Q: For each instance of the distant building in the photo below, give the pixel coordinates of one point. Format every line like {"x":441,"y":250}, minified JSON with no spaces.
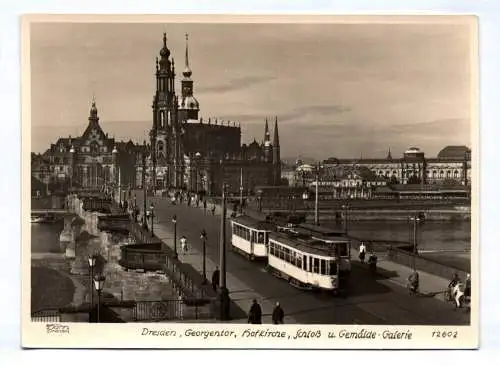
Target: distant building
{"x":187,"y":152}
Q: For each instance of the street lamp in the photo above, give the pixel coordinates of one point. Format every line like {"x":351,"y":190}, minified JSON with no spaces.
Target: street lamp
{"x":223,"y":291}
{"x":414,"y":220}
{"x":197,"y":156}
{"x":259,"y":200}
{"x":203,"y":237}
{"x":99,"y":285}
{"x":151,"y":208}
{"x":92,"y":260}
{"x":174,"y":221}
{"x":346,"y":208}
{"x":316,"y":198}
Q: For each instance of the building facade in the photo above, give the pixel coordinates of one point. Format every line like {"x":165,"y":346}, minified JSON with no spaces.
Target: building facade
{"x":92,"y":161}
{"x":186,"y":152}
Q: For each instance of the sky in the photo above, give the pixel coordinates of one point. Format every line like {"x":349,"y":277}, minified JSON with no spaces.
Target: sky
{"x":338,"y":90}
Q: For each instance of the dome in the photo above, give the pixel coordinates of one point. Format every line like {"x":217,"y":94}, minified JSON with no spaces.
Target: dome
{"x":454,"y":152}
{"x":189,"y":102}
{"x":187,"y":72}
{"x":412,"y":150}
{"x":164,"y":52}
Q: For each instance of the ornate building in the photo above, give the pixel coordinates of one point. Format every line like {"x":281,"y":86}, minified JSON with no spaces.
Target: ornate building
{"x":187,"y":152}
{"x":413,"y":172}
{"x":92,"y":161}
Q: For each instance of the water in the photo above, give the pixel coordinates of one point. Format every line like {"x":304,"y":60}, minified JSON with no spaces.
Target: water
{"x":45,"y":237}
{"x":431,"y":235}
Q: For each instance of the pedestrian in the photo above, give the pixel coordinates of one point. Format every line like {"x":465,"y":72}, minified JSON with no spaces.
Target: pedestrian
{"x":467,"y":285}
{"x":215,"y":278}
{"x":278,"y":314}
{"x":184,"y":246}
{"x":213,"y":210}
{"x":205,"y":206}
{"x":255,"y":313}
{"x":362,"y":252}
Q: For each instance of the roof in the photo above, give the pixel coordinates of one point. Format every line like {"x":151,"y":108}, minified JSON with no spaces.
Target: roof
{"x":304,"y":244}
{"x":454,"y":152}
{"x":250,"y":222}
{"x":320,"y":230}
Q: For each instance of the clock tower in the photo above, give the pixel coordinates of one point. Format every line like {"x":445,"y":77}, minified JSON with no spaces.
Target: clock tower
{"x":188,"y":105}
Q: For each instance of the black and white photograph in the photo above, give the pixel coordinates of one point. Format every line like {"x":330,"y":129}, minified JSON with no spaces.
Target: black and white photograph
{"x":287,"y":182}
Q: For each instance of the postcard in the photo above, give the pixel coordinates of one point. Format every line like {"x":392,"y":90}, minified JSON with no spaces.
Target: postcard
{"x":292,"y":182}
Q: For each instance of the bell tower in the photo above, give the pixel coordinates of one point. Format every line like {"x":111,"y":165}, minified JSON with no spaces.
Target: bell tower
{"x":163,"y":115}
{"x":188,"y":105}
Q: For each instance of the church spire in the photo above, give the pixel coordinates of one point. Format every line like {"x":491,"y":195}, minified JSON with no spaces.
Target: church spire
{"x":267,"y":135}
{"x":276,"y":141}
{"x":93,"y":111}
{"x":389,"y":155}
{"x":187,"y":70}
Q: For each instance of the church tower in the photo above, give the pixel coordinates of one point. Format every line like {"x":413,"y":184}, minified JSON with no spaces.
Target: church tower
{"x":268,"y":154}
{"x":276,"y":155}
{"x":188,"y":105}
{"x":164,"y":121}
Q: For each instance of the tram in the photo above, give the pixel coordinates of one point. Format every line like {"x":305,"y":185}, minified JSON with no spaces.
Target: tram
{"x":250,"y":236}
{"x":308,"y":260}
{"x":305,"y":262}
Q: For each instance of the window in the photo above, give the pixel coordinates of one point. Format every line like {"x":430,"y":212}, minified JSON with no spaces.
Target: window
{"x":298,"y":261}
{"x":323,"y":269}
{"x":253,"y":236}
{"x":261,"y":238}
{"x":310,"y":264}
{"x":304,"y":262}
{"x":333,"y":268}
{"x":315,"y":265}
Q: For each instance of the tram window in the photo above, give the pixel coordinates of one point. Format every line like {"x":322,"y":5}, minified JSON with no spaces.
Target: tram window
{"x":261,"y":238}
{"x":304,"y":262}
{"x":310,"y":265}
{"x":253,"y":236}
{"x":333,"y":268}
{"x":266,"y":237}
{"x":287,"y":255}
{"x":316,"y":265}
{"x":322,"y":267}
{"x":292,"y":258}
{"x":298,"y":261}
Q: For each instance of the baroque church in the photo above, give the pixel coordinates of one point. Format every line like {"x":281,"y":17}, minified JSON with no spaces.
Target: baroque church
{"x":187,"y":152}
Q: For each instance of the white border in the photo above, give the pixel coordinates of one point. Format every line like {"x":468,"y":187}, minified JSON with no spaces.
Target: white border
{"x":9,"y":67}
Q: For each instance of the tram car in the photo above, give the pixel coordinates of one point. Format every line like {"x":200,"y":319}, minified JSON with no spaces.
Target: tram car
{"x":305,"y":262}
{"x":250,"y":236}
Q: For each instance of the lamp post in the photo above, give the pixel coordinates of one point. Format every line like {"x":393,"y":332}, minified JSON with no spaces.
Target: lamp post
{"x":346,"y":208}
{"x":99,"y":285}
{"x":152,"y":207}
{"x":92,"y":260}
{"x":203,"y":237}
{"x":223,"y":291}
{"x":414,"y":220}
{"x":174,"y":221}
{"x":316,"y":197}
{"x":259,"y":200}
{"x":197,"y":156}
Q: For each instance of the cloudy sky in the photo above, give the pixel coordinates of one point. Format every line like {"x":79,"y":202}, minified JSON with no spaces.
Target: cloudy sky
{"x":342,"y":90}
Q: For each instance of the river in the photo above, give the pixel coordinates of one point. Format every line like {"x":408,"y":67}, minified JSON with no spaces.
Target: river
{"x":432,"y":235}
{"x":45,"y":237}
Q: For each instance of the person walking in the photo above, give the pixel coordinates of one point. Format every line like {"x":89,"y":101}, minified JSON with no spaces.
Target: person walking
{"x":278,"y":314}
{"x":255,"y":313}
{"x":184,"y":246}
{"x":213,"y":210}
{"x":205,"y":206}
{"x":362,"y":252}
{"x":215,"y":278}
